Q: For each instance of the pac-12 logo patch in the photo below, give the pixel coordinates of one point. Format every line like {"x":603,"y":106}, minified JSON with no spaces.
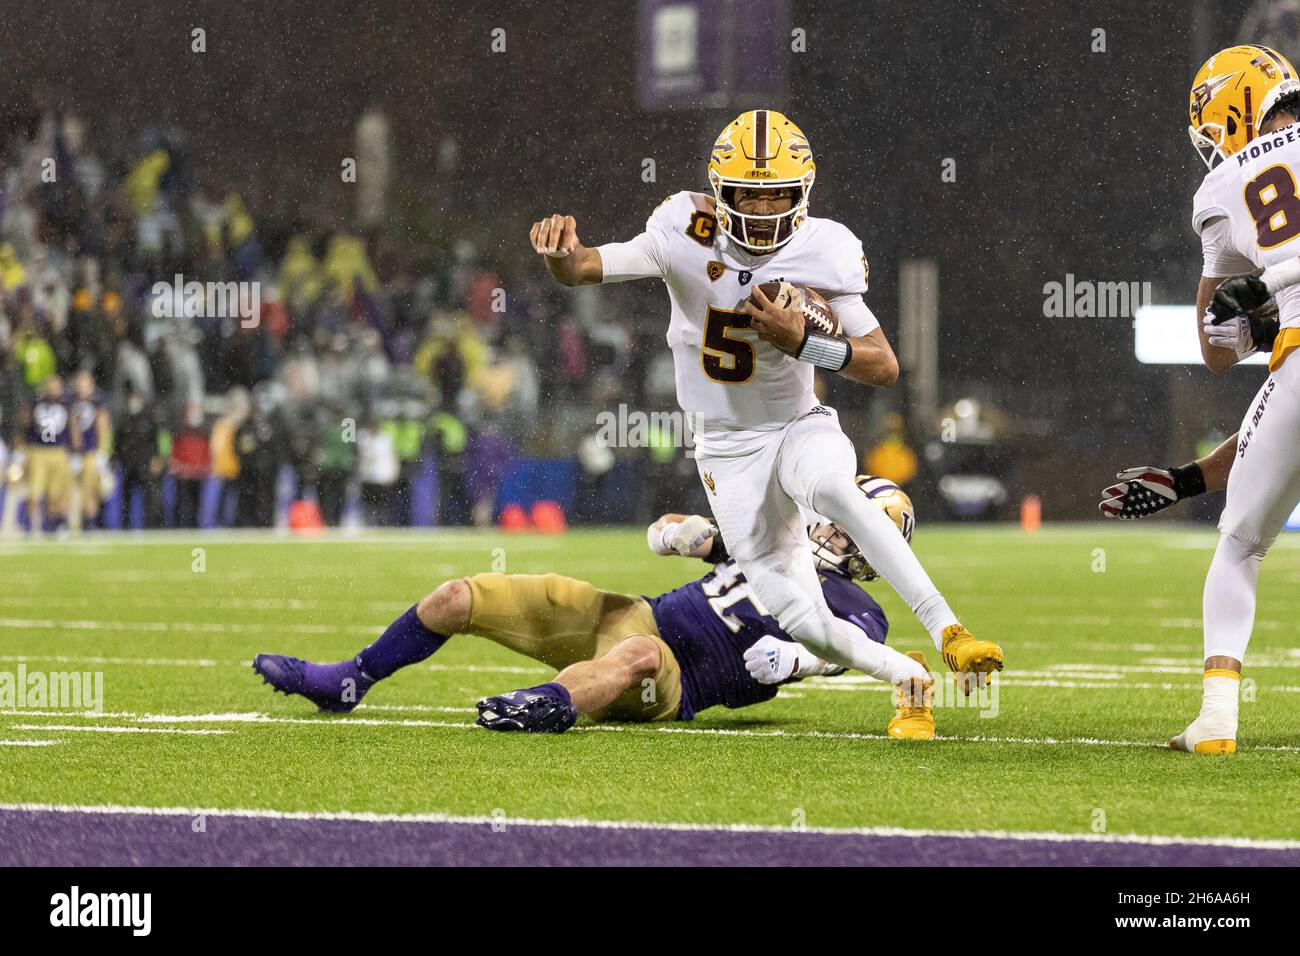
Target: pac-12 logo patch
{"x":745,"y":276}
{"x":715,"y":270}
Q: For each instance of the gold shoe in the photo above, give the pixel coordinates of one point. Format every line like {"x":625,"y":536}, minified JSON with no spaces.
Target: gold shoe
{"x":971,"y":659}
{"x":914,"y":702}
{"x":1200,"y":739}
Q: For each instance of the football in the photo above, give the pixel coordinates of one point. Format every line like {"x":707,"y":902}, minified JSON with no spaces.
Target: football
{"x":817,"y":312}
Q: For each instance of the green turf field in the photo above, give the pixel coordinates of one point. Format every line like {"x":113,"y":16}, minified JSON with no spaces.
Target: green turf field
{"x":1101,"y":626}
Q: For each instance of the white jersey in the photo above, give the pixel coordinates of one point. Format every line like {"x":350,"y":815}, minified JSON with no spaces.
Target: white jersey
{"x":727,"y":380}
{"x":1247,"y":213}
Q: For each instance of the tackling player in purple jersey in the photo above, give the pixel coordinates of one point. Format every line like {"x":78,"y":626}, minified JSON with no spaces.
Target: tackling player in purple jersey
{"x":622,"y":657}
{"x":726,"y":642}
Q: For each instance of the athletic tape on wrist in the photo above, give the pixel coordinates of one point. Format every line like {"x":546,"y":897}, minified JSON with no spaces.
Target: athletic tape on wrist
{"x":825,"y":351}
{"x":660,"y":539}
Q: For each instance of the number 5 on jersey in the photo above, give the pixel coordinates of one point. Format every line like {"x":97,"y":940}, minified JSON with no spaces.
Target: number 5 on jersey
{"x":725,"y":358}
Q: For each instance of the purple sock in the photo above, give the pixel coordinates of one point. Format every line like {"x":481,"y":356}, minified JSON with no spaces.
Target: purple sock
{"x":407,"y":641}
{"x":552,"y":689}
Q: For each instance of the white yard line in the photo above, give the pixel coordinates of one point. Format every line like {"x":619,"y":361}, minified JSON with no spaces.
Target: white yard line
{"x":1052,"y":683}
{"x":430,"y":539}
{"x":1057,"y":676}
{"x":29,"y":743}
{"x":584,"y":823}
{"x":1144,"y":647}
{"x":482,"y":669}
{"x":211,"y":662}
{"x":1165,"y":665}
{"x":132,"y":661}
{"x":114,"y":730}
{"x":1066,"y":671}
{"x":1165,"y":623}
{"x":183,"y":627}
{"x":253,"y":717}
{"x":424,"y":708}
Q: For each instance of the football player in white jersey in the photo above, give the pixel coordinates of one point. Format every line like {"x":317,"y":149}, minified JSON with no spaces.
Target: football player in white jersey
{"x":764,"y":447}
{"x":1245,"y":103}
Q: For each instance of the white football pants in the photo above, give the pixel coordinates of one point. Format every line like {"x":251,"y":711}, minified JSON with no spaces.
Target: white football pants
{"x":1263,"y":488}
{"x":756,"y":490}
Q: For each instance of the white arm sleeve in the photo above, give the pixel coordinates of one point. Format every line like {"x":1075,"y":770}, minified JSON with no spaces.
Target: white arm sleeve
{"x":640,"y":258}
{"x":1221,"y":259}
{"x":854,"y":315}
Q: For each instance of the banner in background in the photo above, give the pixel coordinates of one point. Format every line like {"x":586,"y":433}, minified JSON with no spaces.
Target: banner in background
{"x":712,"y":53}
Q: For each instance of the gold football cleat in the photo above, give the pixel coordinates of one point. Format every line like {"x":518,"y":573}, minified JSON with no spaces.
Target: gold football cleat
{"x":914,"y":702}
{"x":1199,"y":738}
{"x":972,"y":660}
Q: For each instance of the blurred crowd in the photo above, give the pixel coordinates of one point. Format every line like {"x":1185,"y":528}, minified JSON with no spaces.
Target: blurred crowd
{"x":345,"y":365}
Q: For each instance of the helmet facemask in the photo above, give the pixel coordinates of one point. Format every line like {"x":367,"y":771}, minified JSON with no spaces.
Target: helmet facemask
{"x":834,"y":551}
{"x":1207,"y":140}
{"x":740,"y":226}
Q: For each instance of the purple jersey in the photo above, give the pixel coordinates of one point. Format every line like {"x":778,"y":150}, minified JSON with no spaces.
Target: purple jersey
{"x":49,"y":427}
{"x":710,"y":623}
{"x":85,"y":413}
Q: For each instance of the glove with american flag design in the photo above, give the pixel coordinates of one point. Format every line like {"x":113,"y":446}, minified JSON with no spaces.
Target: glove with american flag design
{"x":1143,"y":491}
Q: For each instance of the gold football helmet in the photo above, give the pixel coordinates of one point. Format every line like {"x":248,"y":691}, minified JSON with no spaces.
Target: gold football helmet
{"x":761,"y":149}
{"x":1231,"y":96}
{"x":833,"y":550}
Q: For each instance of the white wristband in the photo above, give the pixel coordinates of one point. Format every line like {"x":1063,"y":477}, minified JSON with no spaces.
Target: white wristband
{"x":826,"y":351}
{"x":1278,"y":277}
{"x":658,"y":538}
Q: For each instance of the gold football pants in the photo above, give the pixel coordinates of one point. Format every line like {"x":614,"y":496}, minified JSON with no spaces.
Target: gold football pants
{"x":561,"y":621}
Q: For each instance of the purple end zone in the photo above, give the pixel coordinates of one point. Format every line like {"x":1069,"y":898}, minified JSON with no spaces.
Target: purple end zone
{"x":38,"y":838}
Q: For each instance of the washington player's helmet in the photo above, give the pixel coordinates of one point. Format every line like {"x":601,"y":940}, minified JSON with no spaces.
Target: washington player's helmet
{"x":833,"y":550}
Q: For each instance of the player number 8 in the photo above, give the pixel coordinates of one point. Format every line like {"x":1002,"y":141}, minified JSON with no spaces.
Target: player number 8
{"x":1273,"y":203}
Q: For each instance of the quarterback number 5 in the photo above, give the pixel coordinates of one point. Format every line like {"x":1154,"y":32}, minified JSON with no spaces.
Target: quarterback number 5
{"x":724,"y":358}
{"x":1273,"y":203}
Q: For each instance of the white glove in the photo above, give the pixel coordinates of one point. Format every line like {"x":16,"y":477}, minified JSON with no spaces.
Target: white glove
{"x":1233,"y":334}
{"x":771,"y":661}
{"x":680,"y":537}
{"x":74,"y":465}
{"x":689,"y":534}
